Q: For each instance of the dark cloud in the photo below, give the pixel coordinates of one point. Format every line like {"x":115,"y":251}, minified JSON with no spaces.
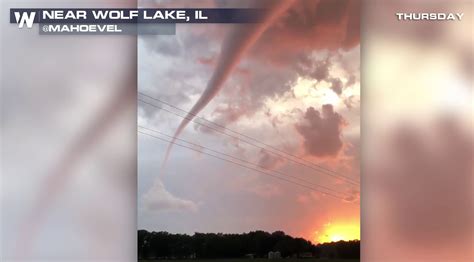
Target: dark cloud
{"x":312,"y":25}
{"x":320,"y":70}
{"x":336,"y":85}
{"x":316,"y":69}
{"x":321,"y":131}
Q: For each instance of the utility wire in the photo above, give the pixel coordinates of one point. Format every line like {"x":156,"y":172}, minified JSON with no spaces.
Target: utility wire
{"x":322,"y":170}
{"x":244,"y":166}
{"x":244,"y":135}
{"x":243,"y":160}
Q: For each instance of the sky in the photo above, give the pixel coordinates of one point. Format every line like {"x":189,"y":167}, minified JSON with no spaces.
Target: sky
{"x":294,"y":87}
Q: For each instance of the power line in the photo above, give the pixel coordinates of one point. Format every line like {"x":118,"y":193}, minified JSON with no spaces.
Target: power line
{"x":244,"y":166}
{"x":323,"y":170}
{"x":332,"y":174}
{"x":244,"y":135}
{"x":242,"y":160}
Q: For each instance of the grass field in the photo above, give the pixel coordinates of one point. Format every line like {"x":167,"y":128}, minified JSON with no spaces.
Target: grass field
{"x":256,"y":260}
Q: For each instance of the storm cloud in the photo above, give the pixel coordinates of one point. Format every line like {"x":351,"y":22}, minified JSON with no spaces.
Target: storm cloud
{"x":321,"y":131}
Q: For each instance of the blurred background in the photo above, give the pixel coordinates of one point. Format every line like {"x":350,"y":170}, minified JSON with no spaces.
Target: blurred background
{"x":417,"y":197}
{"x":68,"y":142}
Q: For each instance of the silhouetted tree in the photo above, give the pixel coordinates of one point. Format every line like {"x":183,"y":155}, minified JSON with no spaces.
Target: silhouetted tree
{"x":156,"y":245}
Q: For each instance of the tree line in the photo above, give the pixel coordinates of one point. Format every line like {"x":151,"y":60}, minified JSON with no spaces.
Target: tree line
{"x":164,"y":245}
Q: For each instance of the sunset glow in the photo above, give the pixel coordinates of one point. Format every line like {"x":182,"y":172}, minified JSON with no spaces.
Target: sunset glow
{"x":337,"y":232}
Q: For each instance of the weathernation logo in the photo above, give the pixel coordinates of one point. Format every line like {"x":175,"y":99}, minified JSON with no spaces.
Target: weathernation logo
{"x":25,"y":17}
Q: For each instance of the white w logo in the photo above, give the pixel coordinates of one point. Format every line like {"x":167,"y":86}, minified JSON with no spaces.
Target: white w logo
{"x":25,"y":17}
